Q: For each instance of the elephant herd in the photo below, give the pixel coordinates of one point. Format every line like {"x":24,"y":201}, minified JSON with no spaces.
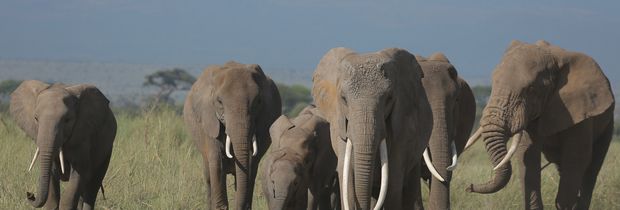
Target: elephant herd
{"x":380,"y":122}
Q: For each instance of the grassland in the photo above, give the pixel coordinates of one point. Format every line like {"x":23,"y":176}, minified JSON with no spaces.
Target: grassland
{"x":155,"y":166}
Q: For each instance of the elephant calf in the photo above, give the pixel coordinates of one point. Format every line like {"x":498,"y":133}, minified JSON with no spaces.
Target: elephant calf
{"x":300,"y":170}
{"x":74,"y":130}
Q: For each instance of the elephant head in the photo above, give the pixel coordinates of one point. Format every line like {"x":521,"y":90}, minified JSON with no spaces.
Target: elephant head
{"x":288,"y":166}
{"x":368,"y":98}
{"x":542,"y":88}
{"x":237,"y":102}
{"x":453,"y":106}
{"x":56,"y":117}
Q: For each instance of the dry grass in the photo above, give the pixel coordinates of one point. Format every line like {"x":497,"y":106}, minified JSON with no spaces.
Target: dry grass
{"x":155,"y":166}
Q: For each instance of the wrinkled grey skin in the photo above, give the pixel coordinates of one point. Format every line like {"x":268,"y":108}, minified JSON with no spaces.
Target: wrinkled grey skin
{"x":240,"y":101}
{"x":368,"y":98}
{"x":564,"y":102}
{"x":77,"y":120}
{"x":454,"y":112}
{"x":300,"y":169}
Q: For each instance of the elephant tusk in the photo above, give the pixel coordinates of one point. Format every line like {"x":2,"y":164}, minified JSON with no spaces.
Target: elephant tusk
{"x":384,"y":175}
{"x":345,"y":174}
{"x":511,"y":151}
{"x":254,"y":147}
{"x":430,"y":166}
{"x":473,"y":138}
{"x":454,"y":158}
{"x":62,"y":162}
{"x":34,"y":159}
{"x":227,"y":147}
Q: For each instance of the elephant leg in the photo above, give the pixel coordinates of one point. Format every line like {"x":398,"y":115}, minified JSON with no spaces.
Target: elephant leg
{"x":529,"y":173}
{"x":207,"y":181}
{"x":599,"y":151}
{"x":576,"y":150}
{"x":217,"y":178}
{"x":93,"y":184}
{"x":71,"y":195}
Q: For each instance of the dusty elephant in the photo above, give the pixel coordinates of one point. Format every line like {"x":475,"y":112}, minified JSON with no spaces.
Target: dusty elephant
{"x":300,"y":169}
{"x":564,"y":102}
{"x":231,"y":106}
{"x":377,"y":109}
{"x":454,"y":112}
{"x":74,"y":129}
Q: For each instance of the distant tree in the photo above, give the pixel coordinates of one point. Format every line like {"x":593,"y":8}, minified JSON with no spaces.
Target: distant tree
{"x":294,"y":98}
{"x":169,"y":81}
{"x":481,"y":93}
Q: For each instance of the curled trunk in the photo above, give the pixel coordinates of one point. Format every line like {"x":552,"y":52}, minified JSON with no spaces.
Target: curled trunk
{"x":495,"y":141}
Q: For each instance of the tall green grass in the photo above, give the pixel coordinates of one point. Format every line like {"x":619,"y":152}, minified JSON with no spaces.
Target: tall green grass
{"x":155,"y":166}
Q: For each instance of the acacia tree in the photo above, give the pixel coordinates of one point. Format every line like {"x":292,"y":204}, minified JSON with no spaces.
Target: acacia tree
{"x":168,"y":81}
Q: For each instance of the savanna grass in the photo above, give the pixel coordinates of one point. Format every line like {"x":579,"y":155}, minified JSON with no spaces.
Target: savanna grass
{"x":155,"y":166}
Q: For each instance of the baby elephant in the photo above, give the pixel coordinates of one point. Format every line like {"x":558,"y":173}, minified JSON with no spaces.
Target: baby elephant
{"x":300,"y":169}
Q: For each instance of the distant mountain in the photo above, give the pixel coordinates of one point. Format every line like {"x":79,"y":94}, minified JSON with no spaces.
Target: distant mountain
{"x":116,"y":80}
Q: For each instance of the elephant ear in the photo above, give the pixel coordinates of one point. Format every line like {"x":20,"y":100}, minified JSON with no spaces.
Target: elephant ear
{"x":22,"y":107}
{"x":465,"y":114}
{"x":325,"y":87}
{"x":92,"y":110}
{"x":202,"y":101}
{"x":411,"y":111}
{"x":583,"y":91}
{"x":278,"y":127}
{"x":271,"y":106}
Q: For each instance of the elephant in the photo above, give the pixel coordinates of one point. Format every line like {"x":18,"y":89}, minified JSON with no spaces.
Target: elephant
{"x":454,"y":111}
{"x":300,"y":168}
{"x":231,"y":105}
{"x":74,"y":130}
{"x":377,"y":109}
{"x":553,"y":101}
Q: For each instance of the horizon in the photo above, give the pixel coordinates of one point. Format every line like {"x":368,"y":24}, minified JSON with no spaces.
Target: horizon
{"x":291,"y":37}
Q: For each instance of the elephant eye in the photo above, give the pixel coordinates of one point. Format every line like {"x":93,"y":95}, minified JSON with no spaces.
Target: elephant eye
{"x":344,"y":100}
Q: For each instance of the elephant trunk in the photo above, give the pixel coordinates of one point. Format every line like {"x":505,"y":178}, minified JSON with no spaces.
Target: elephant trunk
{"x":241,"y":147}
{"x":365,"y":143}
{"x":495,"y":141}
{"x":440,"y":146}
{"x":46,"y":146}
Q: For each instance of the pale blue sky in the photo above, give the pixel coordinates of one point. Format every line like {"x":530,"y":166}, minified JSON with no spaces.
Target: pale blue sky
{"x":283,"y":34}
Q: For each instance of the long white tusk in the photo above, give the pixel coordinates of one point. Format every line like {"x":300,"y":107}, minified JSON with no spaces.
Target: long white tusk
{"x":345,"y":174}
{"x":384,"y":175}
{"x":34,"y":159}
{"x":454,"y":158}
{"x":254,"y":147}
{"x":430,"y":166}
{"x":62,"y":162}
{"x":511,"y":151}
{"x":227,"y":147}
{"x":473,"y":138}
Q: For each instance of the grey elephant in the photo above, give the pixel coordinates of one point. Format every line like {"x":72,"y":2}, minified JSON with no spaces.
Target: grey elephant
{"x":454,"y":111}
{"x":74,"y":130}
{"x":380,"y":123}
{"x":564,"y":102}
{"x":228,"y":112}
{"x":300,"y":169}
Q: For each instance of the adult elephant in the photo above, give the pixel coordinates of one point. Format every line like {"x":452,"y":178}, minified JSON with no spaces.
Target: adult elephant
{"x":564,"y":102}
{"x":454,"y":112}
{"x":300,"y":168}
{"x":231,"y":105}
{"x":74,"y":130}
{"x":376,"y":107}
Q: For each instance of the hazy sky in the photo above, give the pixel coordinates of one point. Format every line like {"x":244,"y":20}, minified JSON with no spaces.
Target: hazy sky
{"x":295,"y":34}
